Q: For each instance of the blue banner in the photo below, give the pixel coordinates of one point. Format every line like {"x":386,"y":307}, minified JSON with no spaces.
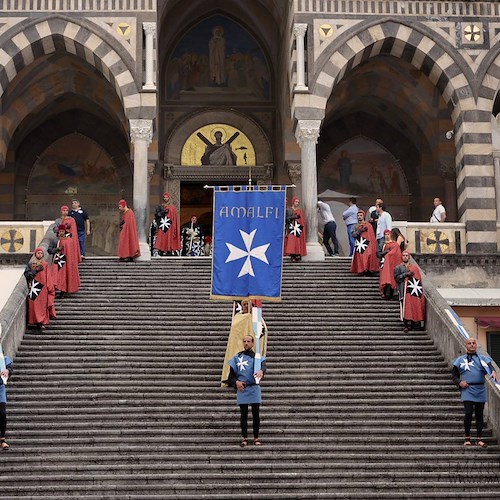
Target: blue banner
{"x":249,"y":222}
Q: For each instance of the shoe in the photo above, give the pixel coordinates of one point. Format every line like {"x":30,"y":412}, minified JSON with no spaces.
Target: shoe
{"x":3,"y":444}
{"x":336,"y":254}
{"x":244,"y":443}
{"x":257,"y":442}
{"x":480,"y":443}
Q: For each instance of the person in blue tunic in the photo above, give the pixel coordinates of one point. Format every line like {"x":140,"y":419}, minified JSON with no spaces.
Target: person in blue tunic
{"x":4,"y":375}
{"x":468,"y":374}
{"x":248,"y":391}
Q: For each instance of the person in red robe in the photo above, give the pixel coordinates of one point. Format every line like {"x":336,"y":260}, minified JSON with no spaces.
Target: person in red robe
{"x":364,"y":258}
{"x":65,"y":264}
{"x":71,"y":230}
{"x":390,"y":257}
{"x":128,"y":245}
{"x":41,"y":291}
{"x":295,"y":234}
{"x":168,"y":236}
{"x":411,"y":293}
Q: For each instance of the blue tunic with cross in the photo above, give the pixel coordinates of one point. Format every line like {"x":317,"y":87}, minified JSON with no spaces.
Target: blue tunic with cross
{"x":473,"y":372}
{"x":242,"y":365}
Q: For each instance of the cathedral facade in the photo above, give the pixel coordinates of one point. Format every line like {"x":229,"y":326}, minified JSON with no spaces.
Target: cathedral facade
{"x":108,"y":99}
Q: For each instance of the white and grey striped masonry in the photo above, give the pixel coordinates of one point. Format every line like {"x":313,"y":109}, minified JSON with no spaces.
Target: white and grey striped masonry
{"x":471,"y":114}
{"x":35,"y":38}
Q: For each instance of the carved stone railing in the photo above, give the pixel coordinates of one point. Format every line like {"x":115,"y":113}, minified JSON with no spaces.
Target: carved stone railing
{"x":426,"y":238}
{"x":21,"y":237}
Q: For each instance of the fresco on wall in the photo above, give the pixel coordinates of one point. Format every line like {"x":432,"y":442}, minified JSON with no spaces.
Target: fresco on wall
{"x":362,"y":167}
{"x":217,"y":57}
{"x":77,"y":167}
{"x":74,"y":164}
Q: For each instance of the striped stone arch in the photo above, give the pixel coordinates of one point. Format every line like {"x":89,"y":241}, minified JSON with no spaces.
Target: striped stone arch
{"x":473,"y":163}
{"x":46,"y":36}
{"x":41,"y":93}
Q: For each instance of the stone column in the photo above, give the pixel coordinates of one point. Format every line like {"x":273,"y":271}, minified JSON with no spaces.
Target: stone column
{"x":496,"y":164}
{"x":141,"y":135}
{"x":299,"y":31}
{"x":150,"y":31}
{"x":307,"y":133}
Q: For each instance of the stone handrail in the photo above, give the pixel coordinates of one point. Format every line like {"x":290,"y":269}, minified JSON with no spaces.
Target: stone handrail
{"x":451,"y":343}
{"x":13,"y":314}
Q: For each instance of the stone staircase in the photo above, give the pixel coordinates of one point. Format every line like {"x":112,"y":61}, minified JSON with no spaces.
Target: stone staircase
{"x":120,"y":397}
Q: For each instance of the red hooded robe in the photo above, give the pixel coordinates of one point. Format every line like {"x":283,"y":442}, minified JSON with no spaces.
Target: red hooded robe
{"x":414,"y":299}
{"x":168,"y":239}
{"x":65,"y":266}
{"x":70,"y":223}
{"x":364,"y":258}
{"x":295,"y":238}
{"x":391,"y":259}
{"x":41,"y":294}
{"x":128,"y":245}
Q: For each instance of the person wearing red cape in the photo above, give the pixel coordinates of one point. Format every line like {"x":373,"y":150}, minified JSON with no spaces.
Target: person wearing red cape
{"x":390,"y":257}
{"x":411,"y":293}
{"x":71,"y":230}
{"x":295,"y":234}
{"x":168,"y":236}
{"x":364,"y":258}
{"x":65,"y":264}
{"x":128,"y":244}
{"x":41,"y":291}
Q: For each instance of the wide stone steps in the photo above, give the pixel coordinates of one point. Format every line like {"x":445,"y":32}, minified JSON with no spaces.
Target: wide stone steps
{"x":120,"y":396}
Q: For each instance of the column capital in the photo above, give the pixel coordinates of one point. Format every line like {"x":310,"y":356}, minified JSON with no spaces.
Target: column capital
{"x":307,"y":130}
{"x":141,"y":130}
{"x":149,"y":28}
{"x":299,"y":29}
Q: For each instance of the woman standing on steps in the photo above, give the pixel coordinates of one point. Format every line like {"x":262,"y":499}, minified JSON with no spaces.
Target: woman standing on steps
{"x":41,"y":291}
{"x":295,"y":232}
{"x":5,"y":373}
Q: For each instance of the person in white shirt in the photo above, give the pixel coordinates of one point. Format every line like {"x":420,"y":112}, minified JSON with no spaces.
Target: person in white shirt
{"x":330,"y":229}
{"x":384,"y":221}
{"x":439,"y":214}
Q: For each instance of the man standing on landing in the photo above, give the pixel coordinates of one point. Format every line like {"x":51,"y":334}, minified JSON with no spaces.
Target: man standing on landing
{"x":468,"y":374}
{"x":439,"y":213}
{"x":82,"y":223}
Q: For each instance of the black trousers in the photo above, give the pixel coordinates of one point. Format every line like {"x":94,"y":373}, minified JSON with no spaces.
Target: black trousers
{"x":469,"y":407}
{"x":330,"y":232}
{"x":3,"y":419}
{"x":255,"y":420}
